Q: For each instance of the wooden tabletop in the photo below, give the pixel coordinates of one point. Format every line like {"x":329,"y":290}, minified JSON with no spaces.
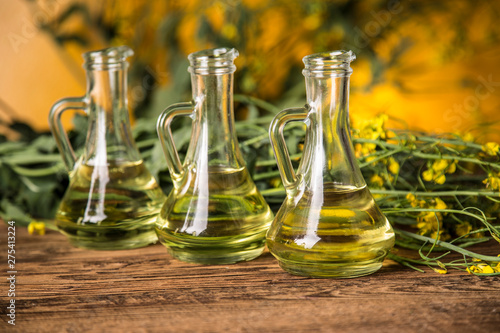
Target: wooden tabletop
{"x":60,"y":288}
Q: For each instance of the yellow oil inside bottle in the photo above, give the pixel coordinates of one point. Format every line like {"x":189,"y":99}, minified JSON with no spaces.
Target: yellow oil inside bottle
{"x":110,"y":207}
{"x":335,"y":232}
{"x":215,"y":218}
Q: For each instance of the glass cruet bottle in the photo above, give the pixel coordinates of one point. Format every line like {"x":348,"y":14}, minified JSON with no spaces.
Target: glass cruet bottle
{"x":112,"y":200}
{"x":214,"y":213}
{"x":329,"y":224}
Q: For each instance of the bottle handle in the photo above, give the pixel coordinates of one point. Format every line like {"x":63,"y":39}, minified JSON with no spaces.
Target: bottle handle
{"x":166,"y":139}
{"x":278,"y":143}
{"x":58,"y":131}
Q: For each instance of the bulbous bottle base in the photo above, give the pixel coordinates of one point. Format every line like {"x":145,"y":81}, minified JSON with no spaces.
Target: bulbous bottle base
{"x":213,"y":250}
{"x":226,"y":226}
{"x":331,"y":270}
{"x":120,"y":217}
{"x":99,"y":238}
{"x":346,"y":236}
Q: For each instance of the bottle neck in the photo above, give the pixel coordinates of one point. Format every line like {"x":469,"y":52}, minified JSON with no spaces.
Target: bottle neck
{"x":328,"y":153}
{"x":214,"y":142}
{"x":109,"y":137}
{"x":329,"y":96}
{"x":108,"y":89}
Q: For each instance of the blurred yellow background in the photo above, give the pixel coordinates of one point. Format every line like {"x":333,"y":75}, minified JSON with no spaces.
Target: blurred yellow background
{"x":431,"y":65}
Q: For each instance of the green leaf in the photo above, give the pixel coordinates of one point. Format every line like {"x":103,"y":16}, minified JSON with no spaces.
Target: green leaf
{"x":11,"y":212}
{"x":44,"y":143}
{"x":156,"y":162}
{"x":10,"y":146}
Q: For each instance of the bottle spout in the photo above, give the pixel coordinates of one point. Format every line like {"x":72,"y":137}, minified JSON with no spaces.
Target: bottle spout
{"x":213,"y":61}
{"x":108,"y":56}
{"x":334,"y":63}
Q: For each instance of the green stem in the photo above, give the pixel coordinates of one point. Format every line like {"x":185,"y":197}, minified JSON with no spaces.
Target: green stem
{"x":38,"y":172}
{"x":273,"y":162}
{"x":257,"y":102}
{"x":449,"y":141}
{"x":265,"y":175}
{"x":254,"y":140}
{"x":438,"y":193}
{"x":28,"y":159}
{"x":449,"y":246}
{"x":273,"y":192}
{"x":458,"y":158}
{"x":146,"y":143}
{"x":415,"y":153}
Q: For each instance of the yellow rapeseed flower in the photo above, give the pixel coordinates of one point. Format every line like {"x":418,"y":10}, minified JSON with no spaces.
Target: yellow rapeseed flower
{"x":487,"y":270}
{"x":452,"y":167}
{"x":493,"y":181}
{"x":428,"y":175}
{"x":483,"y":268}
{"x":430,"y":223}
{"x":370,"y":158}
{"x":275,"y":182}
{"x":370,"y":147}
{"x":254,"y":4}
{"x":373,"y":129}
{"x":414,"y":202}
{"x":439,"y":165}
{"x":468,"y":137}
{"x":380,"y":121}
{"x":312,"y":22}
{"x":36,"y":228}
{"x":471,"y":269}
{"x":364,"y":74}
{"x":440,"y":179}
{"x":436,"y":171}
{"x":393,"y":166}
{"x":440,"y":204}
{"x":377,"y":180}
{"x":358,"y":150}
{"x":411,"y":197}
{"x":440,"y":271}
{"x":463,"y":228}
{"x":229,"y":31}
{"x":491,"y":148}
{"x":388,"y":177}
{"x":215,"y":16}
{"x":449,"y":168}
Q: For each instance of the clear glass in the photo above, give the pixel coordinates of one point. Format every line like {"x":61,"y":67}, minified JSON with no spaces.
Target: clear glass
{"x":214,"y":214}
{"x":329,"y":224}
{"x":112,"y":200}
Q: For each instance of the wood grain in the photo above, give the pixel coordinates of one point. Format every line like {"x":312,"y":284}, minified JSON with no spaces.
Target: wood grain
{"x":65,"y":289}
